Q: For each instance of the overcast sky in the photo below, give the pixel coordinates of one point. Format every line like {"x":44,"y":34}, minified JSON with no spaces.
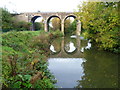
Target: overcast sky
{"x":40,"y":5}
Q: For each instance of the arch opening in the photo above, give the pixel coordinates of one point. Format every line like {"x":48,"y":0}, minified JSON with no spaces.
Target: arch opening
{"x":37,"y":23}
{"x":53,"y":23}
{"x":70,"y":23}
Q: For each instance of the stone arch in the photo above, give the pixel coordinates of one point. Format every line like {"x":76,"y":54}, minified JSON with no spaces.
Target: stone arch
{"x":48,"y":19}
{"x":34,"y":18}
{"x":71,"y":15}
{"x":33,"y":21}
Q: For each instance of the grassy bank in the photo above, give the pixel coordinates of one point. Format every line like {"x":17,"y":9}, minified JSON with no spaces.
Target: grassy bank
{"x":24,"y":56}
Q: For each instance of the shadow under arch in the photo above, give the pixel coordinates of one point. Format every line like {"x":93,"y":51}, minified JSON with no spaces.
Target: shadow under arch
{"x":33,"y":21}
{"x":48,"y":20}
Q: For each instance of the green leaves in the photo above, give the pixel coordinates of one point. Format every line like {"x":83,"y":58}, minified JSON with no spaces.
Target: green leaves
{"x":22,"y":80}
{"x":17,"y":84}
{"x":6,"y":20}
{"x":100,"y":23}
{"x":27,"y":77}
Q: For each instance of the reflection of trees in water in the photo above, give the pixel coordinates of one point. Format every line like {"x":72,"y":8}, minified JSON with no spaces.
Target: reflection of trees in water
{"x":69,"y":44}
{"x":68,"y":40}
{"x":84,"y":43}
{"x":67,"y":47}
{"x":57,"y":44}
{"x":100,"y":69}
{"x":70,"y":47}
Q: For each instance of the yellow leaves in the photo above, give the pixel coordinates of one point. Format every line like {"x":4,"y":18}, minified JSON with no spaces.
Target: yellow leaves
{"x":97,"y":40}
{"x":32,"y":63}
{"x":89,"y":80}
{"x":56,"y":23}
{"x":30,"y":51}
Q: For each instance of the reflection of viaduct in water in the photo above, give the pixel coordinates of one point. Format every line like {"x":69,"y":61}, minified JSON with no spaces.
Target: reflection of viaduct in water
{"x":32,"y":16}
{"x":64,"y":54}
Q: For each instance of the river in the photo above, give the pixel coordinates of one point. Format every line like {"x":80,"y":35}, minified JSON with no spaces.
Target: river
{"x":75,"y":63}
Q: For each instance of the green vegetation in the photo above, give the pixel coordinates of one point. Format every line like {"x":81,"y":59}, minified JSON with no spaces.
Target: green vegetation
{"x":24,"y":56}
{"x":10,"y":23}
{"x":20,"y":25}
{"x":6,"y":20}
{"x":24,"y":53}
{"x":100,"y":23}
{"x":56,"y":24}
{"x":70,"y":28}
{"x":38,"y":26}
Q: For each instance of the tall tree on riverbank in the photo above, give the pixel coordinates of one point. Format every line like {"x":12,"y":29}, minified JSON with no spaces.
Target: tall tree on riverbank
{"x":6,"y":20}
{"x":100,"y":22}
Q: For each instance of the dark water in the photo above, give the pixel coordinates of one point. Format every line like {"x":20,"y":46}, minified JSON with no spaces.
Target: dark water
{"x":76,"y":63}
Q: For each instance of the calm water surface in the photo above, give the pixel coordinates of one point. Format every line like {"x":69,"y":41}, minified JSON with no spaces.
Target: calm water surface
{"x":76,"y":63}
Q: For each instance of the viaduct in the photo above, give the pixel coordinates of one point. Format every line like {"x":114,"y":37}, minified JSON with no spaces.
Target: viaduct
{"x":32,"y":16}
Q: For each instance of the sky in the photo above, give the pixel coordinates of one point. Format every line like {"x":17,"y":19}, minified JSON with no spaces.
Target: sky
{"x":40,"y":5}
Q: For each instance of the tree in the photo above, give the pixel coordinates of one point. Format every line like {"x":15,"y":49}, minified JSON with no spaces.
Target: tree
{"x":38,"y":26}
{"x":67,"y":23}
{"x":70,"y":27}
{"x":56,"y":23}
{"x":6,"y":20}
{"x":9,"y":22}
{"x":100,"y":22}
{"x":21,"y":25}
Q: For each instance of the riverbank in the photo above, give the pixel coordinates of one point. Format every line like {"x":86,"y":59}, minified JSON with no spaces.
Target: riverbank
{"x":24,"y":56}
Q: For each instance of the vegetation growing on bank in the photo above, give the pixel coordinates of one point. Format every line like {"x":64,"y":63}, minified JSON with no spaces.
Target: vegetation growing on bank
{"x":24,"y":56}
{"x":100,"y":23}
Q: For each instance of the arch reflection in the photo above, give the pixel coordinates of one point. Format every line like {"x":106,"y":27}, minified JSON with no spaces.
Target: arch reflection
{"x":70,"y":48}
{"x":55,"y":46}
{"x":66,"y":47}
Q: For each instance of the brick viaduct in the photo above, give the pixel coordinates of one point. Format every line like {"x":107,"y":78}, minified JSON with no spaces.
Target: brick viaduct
{"x":32,"y":16}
